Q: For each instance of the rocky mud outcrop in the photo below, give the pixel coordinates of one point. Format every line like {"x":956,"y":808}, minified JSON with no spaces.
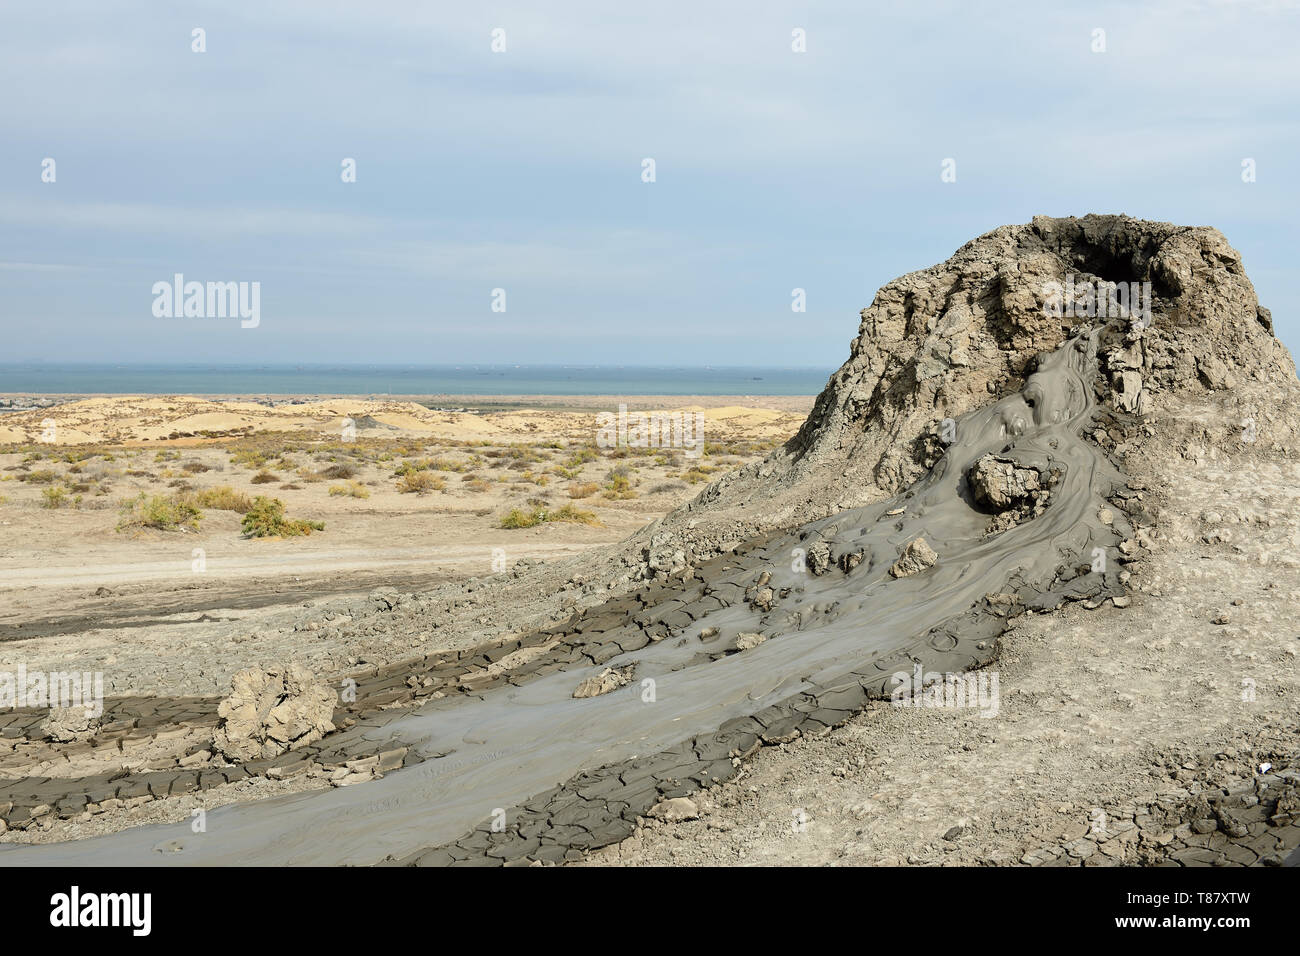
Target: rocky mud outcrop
{"x":65,"y":724}
{"x":270,"y":712}
{"x":940,"y":342}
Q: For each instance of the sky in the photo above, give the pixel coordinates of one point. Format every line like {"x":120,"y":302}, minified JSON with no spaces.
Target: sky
{"x":521,"y":168}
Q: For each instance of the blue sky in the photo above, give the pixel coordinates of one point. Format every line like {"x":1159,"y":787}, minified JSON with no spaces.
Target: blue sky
{"x":522,"y":170}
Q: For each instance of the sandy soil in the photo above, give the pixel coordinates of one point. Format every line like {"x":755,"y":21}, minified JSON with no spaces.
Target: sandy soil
{"x":82,"y":587}
{"x":190,"y":419}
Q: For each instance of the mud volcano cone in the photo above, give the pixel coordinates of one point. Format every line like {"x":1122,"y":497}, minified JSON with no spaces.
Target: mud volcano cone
{"x":941,"y":342}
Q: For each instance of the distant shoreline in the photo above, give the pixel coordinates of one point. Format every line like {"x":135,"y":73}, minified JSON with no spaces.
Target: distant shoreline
{"x":407,"y":382}
{"x":796,"y":403}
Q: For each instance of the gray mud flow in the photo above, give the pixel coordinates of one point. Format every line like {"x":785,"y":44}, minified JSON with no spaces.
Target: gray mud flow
{"x":833,"y":605}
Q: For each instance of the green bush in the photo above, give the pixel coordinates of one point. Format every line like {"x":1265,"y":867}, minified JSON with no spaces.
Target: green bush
{"x":353,"y":489}
{"x":421,"y":483}
{"x":698,"y":473}
{"x":159,"y":512}
{"x":223,"y":498}
{"x":56,"y":496}
{"x":581,"y":456}
{"x":516,"y":518}
{"x":338,"y":471}
{"x":248,"y":457}
{"x":619,"y":487}
{"x":265,"y":519}
{"x":443,"y":464}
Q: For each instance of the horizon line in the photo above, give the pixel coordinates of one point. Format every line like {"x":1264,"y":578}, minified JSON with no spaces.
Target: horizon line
{"x":15,"y":363}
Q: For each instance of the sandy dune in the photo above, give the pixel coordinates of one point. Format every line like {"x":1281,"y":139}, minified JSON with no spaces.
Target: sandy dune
{"x":136,"y":418}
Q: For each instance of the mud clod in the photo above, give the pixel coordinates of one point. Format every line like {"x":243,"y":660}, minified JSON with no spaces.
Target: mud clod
{"x":273,"y":711}
{"x":916,"y":557}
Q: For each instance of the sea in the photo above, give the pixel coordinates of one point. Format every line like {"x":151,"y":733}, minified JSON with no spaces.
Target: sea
{"x":49,"y":378}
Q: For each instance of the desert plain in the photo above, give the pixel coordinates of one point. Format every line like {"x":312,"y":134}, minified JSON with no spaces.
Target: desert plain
{"x":415,"y":496}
